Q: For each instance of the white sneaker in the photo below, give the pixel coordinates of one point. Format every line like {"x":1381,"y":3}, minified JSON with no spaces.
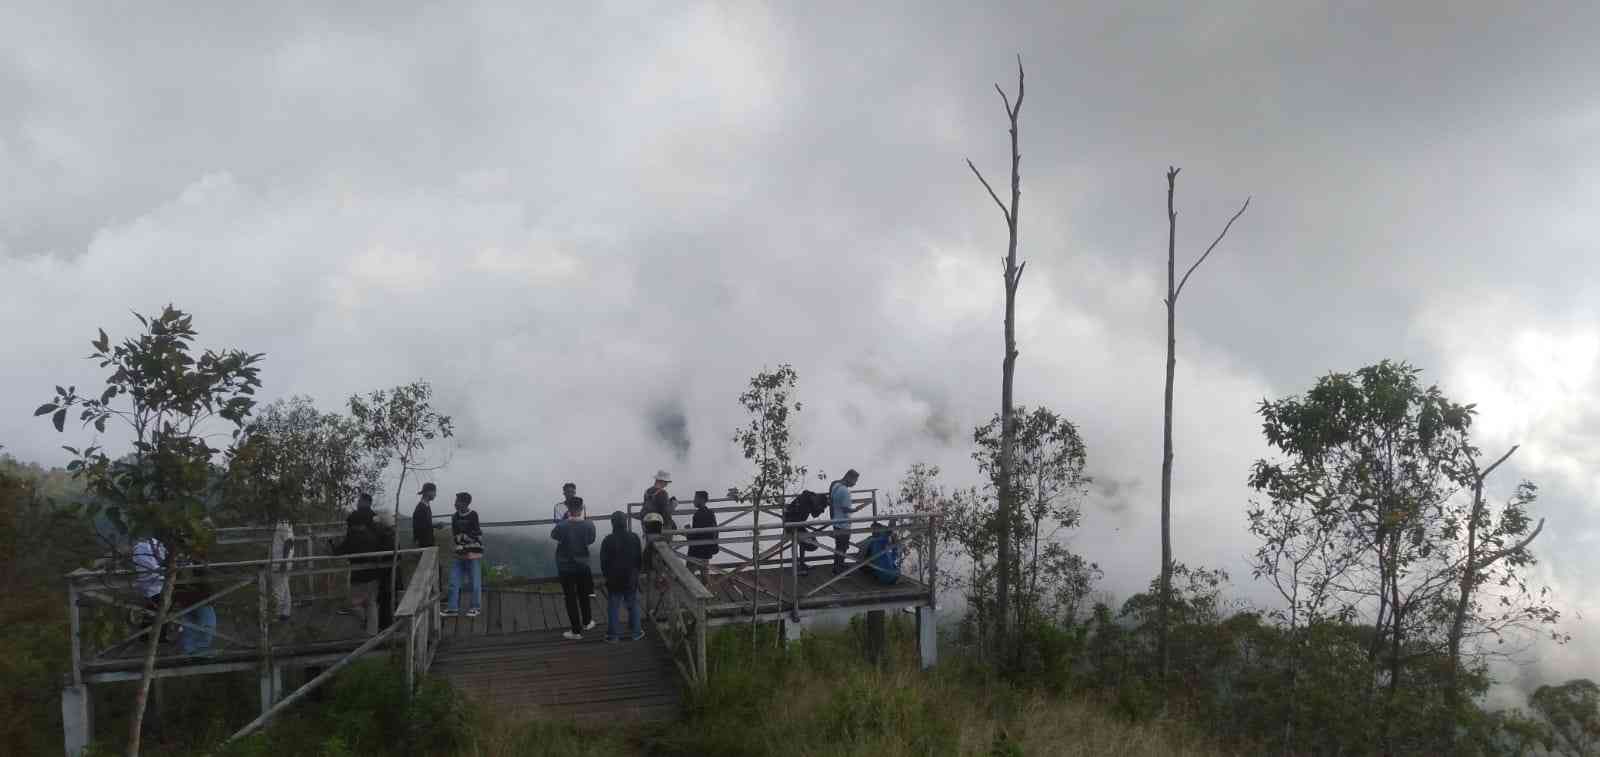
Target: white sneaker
{"x":589,"y":627}
{"x":472,"y":613}
{"x":572,"y":636}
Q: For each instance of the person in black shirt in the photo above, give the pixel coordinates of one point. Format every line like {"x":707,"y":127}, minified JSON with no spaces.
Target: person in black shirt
{"x":573,"y":537}
{"x":422,"y":517}
{"x":704,"y":518}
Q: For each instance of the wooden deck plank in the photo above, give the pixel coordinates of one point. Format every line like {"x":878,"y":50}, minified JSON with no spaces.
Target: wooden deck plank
{"x":540,"y":674}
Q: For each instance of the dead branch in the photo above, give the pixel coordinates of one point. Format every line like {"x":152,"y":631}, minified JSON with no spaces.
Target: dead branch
{"x":1213,"y":246}
{"x":1003,"y":210}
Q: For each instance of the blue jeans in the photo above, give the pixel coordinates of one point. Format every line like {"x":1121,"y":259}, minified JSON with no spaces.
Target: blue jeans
{"x":460,"y":573}
{"x":614,"y":602}
{"x":191,"y":641}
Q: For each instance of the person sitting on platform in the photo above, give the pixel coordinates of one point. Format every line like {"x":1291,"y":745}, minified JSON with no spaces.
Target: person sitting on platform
{"x":573,"y":537}
{"x":881,"y":553}
{"x":619,"y":563}
{"x":195,"y":637}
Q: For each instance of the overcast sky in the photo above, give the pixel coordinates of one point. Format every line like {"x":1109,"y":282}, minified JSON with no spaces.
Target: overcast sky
{"x":589,"y":224}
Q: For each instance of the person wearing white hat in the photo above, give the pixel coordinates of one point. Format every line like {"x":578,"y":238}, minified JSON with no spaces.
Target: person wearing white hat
{"x":656,"y":510}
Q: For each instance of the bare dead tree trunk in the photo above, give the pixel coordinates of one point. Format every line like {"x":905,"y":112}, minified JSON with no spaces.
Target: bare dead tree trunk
{"x":147,"y":672}
{"x":1174,"y":288}
{"x":1008,"y":435}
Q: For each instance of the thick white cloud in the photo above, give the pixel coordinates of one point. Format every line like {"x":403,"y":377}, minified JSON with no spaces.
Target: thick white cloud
{"x":587,"y":227}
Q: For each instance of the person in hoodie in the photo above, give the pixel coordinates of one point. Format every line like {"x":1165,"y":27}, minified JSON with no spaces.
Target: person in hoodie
{"x":573,"y":537}
{"x":620,"y":557}
{"x":704,"y":518}
{"x":468,"y":536}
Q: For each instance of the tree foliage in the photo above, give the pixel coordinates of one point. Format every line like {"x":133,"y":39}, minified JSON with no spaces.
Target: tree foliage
{"x":294,"y":462}
{"x":766,"y":439}
{"x":168,"y":398}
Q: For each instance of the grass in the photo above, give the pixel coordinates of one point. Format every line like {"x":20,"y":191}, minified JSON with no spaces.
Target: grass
{"x":821,"y":698}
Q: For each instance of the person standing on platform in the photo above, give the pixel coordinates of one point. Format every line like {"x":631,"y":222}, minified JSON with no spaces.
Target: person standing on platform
{"x":839,"y":512}
{"x":704,"y":518}
{"x":282,"y":552}
{"x":468,"y":536}
{"x":619,"y":563}
{"x":560,"y":511}
{"x":422,"y":516}
{"x":573,"y":537}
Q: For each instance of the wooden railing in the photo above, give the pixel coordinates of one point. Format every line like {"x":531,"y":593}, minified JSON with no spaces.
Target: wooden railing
{"x":679,"y":617}
{"x":110,"y":626}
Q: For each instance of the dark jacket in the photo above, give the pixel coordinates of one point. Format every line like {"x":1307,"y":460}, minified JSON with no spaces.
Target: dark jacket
{"x":659,"y":501}
{"x":467,"y":533}
{"x":704,"y":518}
{"x":573,"y":537}
{"x":367,"y":537}
{"x":620,"y":556}
{"x":422,"y":525}
{"x":360,"y":515}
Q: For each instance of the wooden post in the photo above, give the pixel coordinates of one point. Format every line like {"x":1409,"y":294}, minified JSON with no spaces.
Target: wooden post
{"x":700,"y":640}
{"x":875,"y":637}
{"x":927,"y":637}
{"x":77,"y":718}
{"x":263,"y":593}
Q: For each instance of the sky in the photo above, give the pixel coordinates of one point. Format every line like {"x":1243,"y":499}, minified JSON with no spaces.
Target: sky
{"x":587,"y":225}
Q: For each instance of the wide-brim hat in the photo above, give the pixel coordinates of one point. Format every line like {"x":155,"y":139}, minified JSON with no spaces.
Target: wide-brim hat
{"x":662,"y":475}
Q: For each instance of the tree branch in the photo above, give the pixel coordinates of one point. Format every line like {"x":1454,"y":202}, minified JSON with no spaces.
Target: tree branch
{"x":1213,"y":246}
{"x":1495,"y":557}
{"x":1003,"y":211}
{"x":1490,"y":469}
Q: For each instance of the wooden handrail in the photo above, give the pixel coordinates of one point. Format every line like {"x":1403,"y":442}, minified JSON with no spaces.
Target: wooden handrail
{"x":680,"y":572}
{"x":415,"y":591}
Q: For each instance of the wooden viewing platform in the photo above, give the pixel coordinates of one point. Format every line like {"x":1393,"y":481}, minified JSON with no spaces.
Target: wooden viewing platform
{"x":512,"y":656}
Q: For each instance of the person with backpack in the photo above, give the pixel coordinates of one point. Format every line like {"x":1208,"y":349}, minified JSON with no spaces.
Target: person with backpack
{"x":369,"y":576}
{"x":468,"y":537}
{"x":704,"y":518}
{"x":573,"y":537}
{"x":806,"y":505}
{"x":839,"y":512}
{"x":620,"y":558}
{"x":655,"y":510}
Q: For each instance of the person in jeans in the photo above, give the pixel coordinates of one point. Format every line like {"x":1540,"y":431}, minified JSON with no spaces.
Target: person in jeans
{"x":620,"y":556}
{"x":195,"y":637}
{"x":468,"y":537}
{"x":839,"y":512}
{"x":573,"y":537}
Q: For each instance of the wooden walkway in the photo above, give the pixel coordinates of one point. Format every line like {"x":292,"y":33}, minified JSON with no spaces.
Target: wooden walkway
{"x":513,"y":659}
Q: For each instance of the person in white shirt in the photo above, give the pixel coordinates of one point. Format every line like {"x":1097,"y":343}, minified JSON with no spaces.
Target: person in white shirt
{"x":150,"y":562}
{"x":282,"y":549}
{"x":568,"y":491}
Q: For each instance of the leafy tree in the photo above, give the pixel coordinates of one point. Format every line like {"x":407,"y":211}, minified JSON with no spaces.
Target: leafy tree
{"x":296,"y":463}
{"x":767,"y":442}
{"x":1573,"y":711}
{"x":398,"y":424}
{"x":168,"y":398}
{"x":1367,"y":508}
{"x":1048,"y":483}
{"x":1174,"y":288}
{"x":1008,"y":367}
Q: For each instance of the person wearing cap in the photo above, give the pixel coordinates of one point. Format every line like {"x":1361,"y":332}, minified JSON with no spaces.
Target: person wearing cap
{"x":468,"y":536}
{"x":655,"y":510}
{"x":839,"y":512}
{"x":422,"y":516}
